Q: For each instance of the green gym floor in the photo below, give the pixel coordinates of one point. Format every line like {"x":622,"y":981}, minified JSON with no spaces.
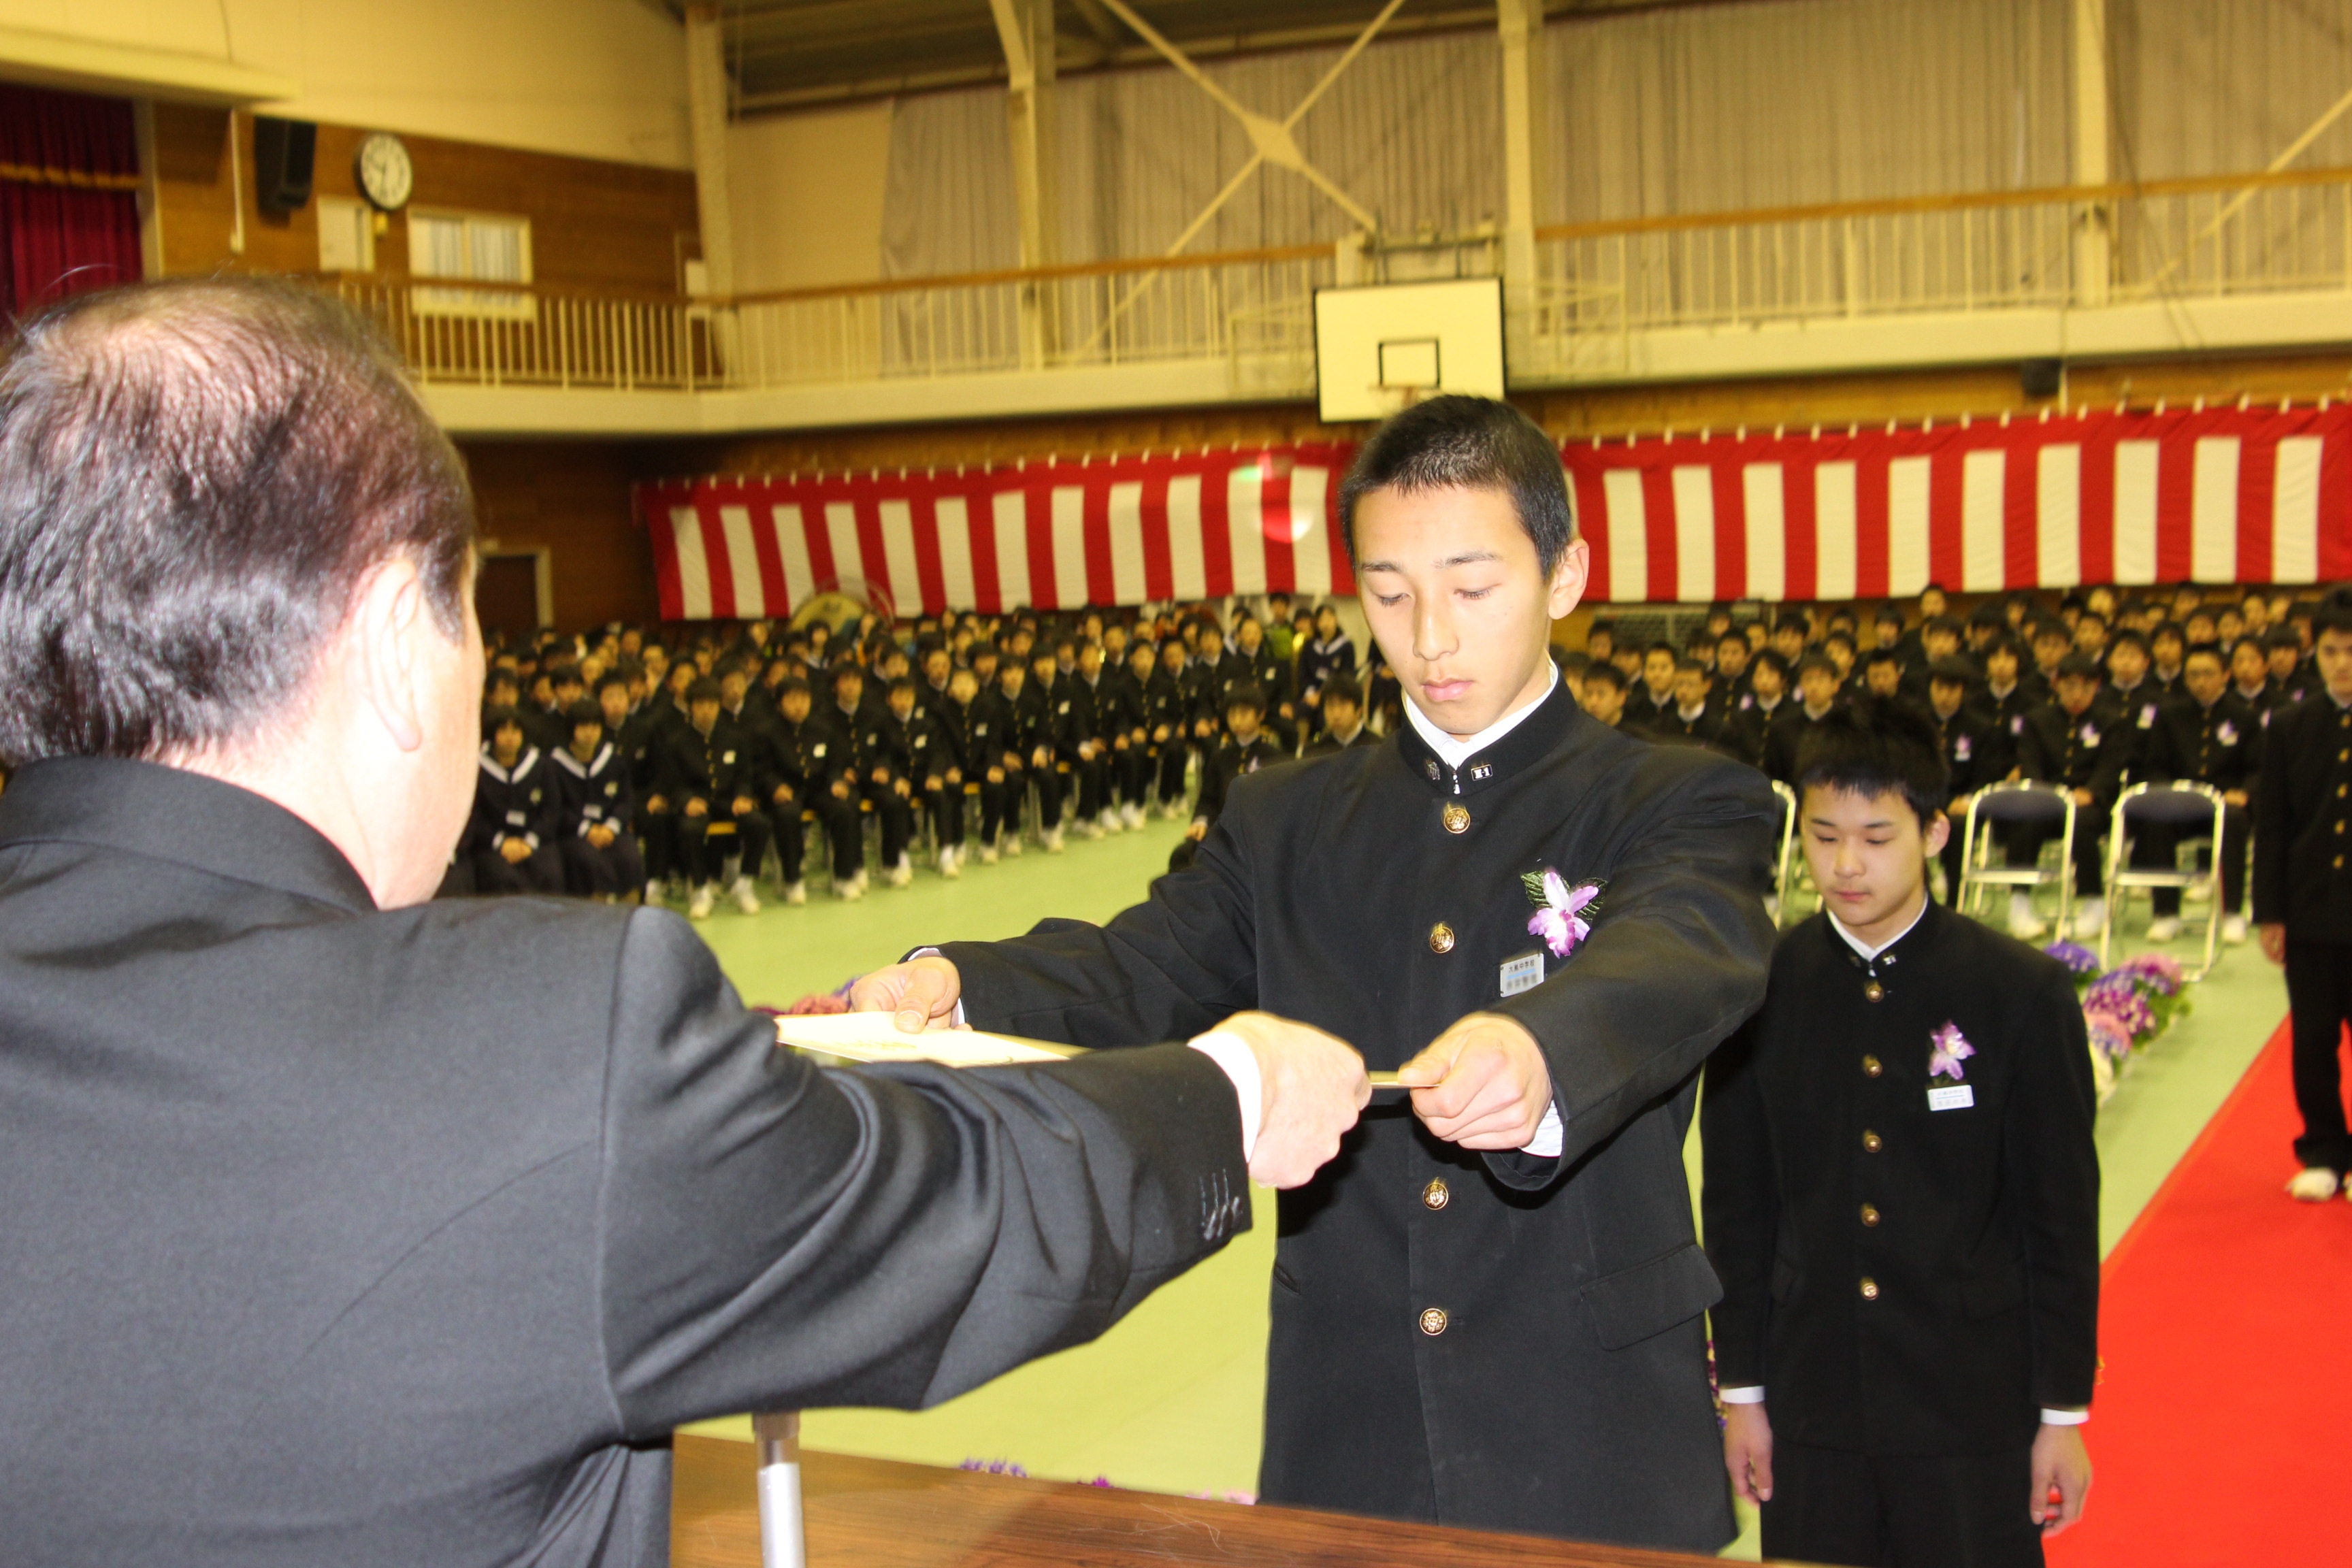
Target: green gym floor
{"x":1170,"y":1400}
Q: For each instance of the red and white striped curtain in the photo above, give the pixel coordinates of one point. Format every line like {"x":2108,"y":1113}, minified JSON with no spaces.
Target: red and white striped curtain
{"x":1052,"y":535}
{"x":2225,"y":495}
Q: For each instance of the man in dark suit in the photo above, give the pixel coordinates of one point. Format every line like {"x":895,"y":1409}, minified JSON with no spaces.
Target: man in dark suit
{"x":1490,"y":1312}
{"x":2302,"y":890}
{"x":1902,"y":1198}
{"x":344,"y":1226}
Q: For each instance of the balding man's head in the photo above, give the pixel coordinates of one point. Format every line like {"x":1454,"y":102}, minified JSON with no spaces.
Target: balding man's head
{"x":195,"y":476}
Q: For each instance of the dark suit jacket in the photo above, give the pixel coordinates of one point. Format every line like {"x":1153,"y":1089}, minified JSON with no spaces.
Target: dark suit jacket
{"x":1928,"y":1292}
{"x":2303,"y":823}
{"x":340,"y":1236}
{"x":1566,"y":1392}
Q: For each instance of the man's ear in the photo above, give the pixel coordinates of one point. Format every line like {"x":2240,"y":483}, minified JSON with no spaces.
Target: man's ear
{"x":389,"y":616}
{"x":1939,"y":833}
{"x":1566,"y":590}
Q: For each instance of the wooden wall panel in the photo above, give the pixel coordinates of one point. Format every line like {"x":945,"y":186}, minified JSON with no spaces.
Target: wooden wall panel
{"x":594,"y":224}
{"x":570,"y":497}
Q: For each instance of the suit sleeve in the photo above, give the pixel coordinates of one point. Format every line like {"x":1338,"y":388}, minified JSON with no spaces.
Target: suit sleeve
{"x":1740,"y":1203}
{"x":1677,"y":959}
{"x":1167,"y":969}
{"x":2053,"y":1163}
{"x":778,"y":1235}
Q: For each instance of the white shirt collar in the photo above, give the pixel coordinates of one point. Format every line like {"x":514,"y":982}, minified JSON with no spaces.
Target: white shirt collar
{"x":1453,"y":753}
{"x":1857,"y":944}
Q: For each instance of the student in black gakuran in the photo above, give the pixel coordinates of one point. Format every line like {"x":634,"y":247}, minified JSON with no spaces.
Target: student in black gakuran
{"x":1491,"y":1312}
{"x":1902,"y":1198}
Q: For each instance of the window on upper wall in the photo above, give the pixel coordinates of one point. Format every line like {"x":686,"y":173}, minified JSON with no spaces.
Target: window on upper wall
{"x":346,"y":234}
{"x":493,"y":248}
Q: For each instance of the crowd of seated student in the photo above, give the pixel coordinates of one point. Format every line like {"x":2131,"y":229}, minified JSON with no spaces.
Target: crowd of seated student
{"x":2089,"y":693}
{"x":638,"y":765}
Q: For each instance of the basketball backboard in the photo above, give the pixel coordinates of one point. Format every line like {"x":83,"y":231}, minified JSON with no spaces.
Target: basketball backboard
{"x":1383,"y":345}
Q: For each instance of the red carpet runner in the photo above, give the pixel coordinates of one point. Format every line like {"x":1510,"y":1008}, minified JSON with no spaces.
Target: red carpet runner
{"x":2219,"y":1433}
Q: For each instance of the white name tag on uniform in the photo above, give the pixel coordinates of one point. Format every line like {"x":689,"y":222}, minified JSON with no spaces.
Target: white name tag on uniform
{"x":1524,"y":973}
{"x":1952,"y":1096}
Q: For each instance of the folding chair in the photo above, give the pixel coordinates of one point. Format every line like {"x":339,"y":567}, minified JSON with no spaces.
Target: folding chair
{"x":2184,"y":805}
{"x":1785,"y":864}
{"x":2015,"y":803}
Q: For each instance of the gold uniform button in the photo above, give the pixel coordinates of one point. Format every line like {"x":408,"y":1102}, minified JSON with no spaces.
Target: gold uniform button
{"x":1441,"y":938}
{"x":1457,"y":817}
{"x":1872,"y":1067}
{"x":1872,"y":1142}
{"x":1436,"y":1195}
{"x":1433,"y":1322}
{"x":1869,"y":1215}
{"x":1873,"y":991}
{"x":1869,"y":1288}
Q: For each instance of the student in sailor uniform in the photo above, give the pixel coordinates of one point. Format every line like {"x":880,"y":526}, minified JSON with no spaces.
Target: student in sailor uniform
{"x":1902,"y":1200}
{"x":512,"y":836}
{"x":594,"y":802}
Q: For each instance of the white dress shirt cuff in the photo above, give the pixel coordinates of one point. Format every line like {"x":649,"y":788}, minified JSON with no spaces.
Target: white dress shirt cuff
{"x":955,"y":1019}
{"x":1546,"y":1144}
{"x":2064,"y":1418}
{"x":1233,"y":1053}
{"x":1751,"y":1394}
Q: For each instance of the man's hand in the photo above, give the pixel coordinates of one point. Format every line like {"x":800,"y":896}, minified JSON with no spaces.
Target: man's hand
{"x":1197,"y":832}
{"x":1482,"y":1083}
{"x":2274,"y":939}
{"x":1748,"y":1451}
{"x":1311,"y":1085}
{"x":2059,"y":1462}
{"x":514,"y":851}
{"x":922,"y":992}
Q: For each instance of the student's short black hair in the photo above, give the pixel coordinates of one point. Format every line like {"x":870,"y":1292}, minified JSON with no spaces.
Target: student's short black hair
{"x":1246,"y":696}
{"x":1455,"y":442}
{"x":2122,"y":637}
{"x":704,"y":689}
{"x":2076,"y":667}
{"x":584,"y":712}
{"x":1607,"y":674}
{"x":902,"y":684}
{"x":2048,"y":628}
{"x":498,"y":715}
{"x":1875,"y":746}
{"x":563,"y":674}
{"x":2282,"y":637}
{"x":1661,"y":646}
{"x":2211,"y":650}
{"x":1845,"y":637}
{"x":1689,"y":664}
{"x":1820,"y":661}
{"x":1342,"y":689}
{"x":1882,"y":655}
{"x":790,"y":684}
{"x":1569,"y":659}
{"x":612,"y":678}
{"x":1951,"y":672}
{"x":2007,"y":643}
{"x":2172,"y":629}
{"x":1947,"y":624}
{"x":1772,"y":657}
{"x":847,"y":669}
{"x":2332,"y":614}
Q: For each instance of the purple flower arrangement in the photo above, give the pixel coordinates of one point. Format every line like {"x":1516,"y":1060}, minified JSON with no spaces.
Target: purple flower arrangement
{"x":2128,"y":1005}
{"x":2080,"y":961}
{"x":2152,"y":972}
{"x":2109,"y":1036}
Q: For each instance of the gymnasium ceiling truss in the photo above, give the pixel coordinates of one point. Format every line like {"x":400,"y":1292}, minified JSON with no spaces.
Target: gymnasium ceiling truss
{"x":793,"y":54}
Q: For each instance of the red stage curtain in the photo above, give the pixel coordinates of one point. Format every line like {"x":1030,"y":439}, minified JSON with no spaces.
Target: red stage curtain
{"x":67,"y":221}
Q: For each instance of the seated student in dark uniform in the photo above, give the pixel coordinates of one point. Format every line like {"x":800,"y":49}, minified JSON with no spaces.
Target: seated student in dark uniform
{"x":1817,"y":697}
{"x":1902,"y":1200}
{"x":1129,"y":716}
{"x":2005,"y":698}
{"x":1751,"y":715}
{"x":1695,"y":717}
{"x":1042,"y":720}
{"x":997,"y":727}
{"x":935,"y":765}
{"x":1167,"y":708}
{"x":2203,"y":736}
{"x":1975,"y":753}
{"x":2084,"y":747}
{"x":2168,"y":654}
{"x":963,"y":725}
{"x":2129,"y":693}
{"x":2302,"y":890}
{"x":2283,"y":650}
{"x":594,"y":802}
{"x":1601,"y":693}
{"x":1653,"y":696}
{"x":1732,"y":657}
{"x":712,"y":780}
{"x":1247,"y":748}
{"x":1085,"y":716}
{"x":892,"y":754}
{"x":511,"y":839}
{"x":1882,"y":675}
{"x":1343,"y":718}
{"x":789,"y":778}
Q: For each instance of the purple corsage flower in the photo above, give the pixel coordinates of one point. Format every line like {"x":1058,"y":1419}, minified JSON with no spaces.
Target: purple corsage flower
{"x":1948,"y":1050}
{"x":1560,"y":910}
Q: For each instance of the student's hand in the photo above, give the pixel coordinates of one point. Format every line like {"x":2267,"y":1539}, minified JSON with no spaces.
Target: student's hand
{"x":2233,"y":797}
{"x":881,"y":775}
{"x":841,"y":789}
{"x":1161,"y":735}
{"x":1483,"y":1083}
{"x":933,"y":784}
{"x":996,"y":775}
{"x":745,"y":805}
{"x":657,"y":805}
{"x":2082,"y":797}
{"x":955,"y":776}
{"x":898,"y":787}
{"x":1119,"y":742}
{"x":922,"y":992}
{"x":1748,"y":1451}
{"x":602,"y":837}
{"x":515,"y":851}
{"x":2274,"y":940}
{"x":697,"y":808}
{"x":1197,"y":832}
{"x":1311,"y":1086}
{"x":784,"y":795}
{"x":2060,"y":1462}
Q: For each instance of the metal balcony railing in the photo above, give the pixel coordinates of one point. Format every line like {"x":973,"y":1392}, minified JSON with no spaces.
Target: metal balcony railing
{"x":1596,"y":286}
